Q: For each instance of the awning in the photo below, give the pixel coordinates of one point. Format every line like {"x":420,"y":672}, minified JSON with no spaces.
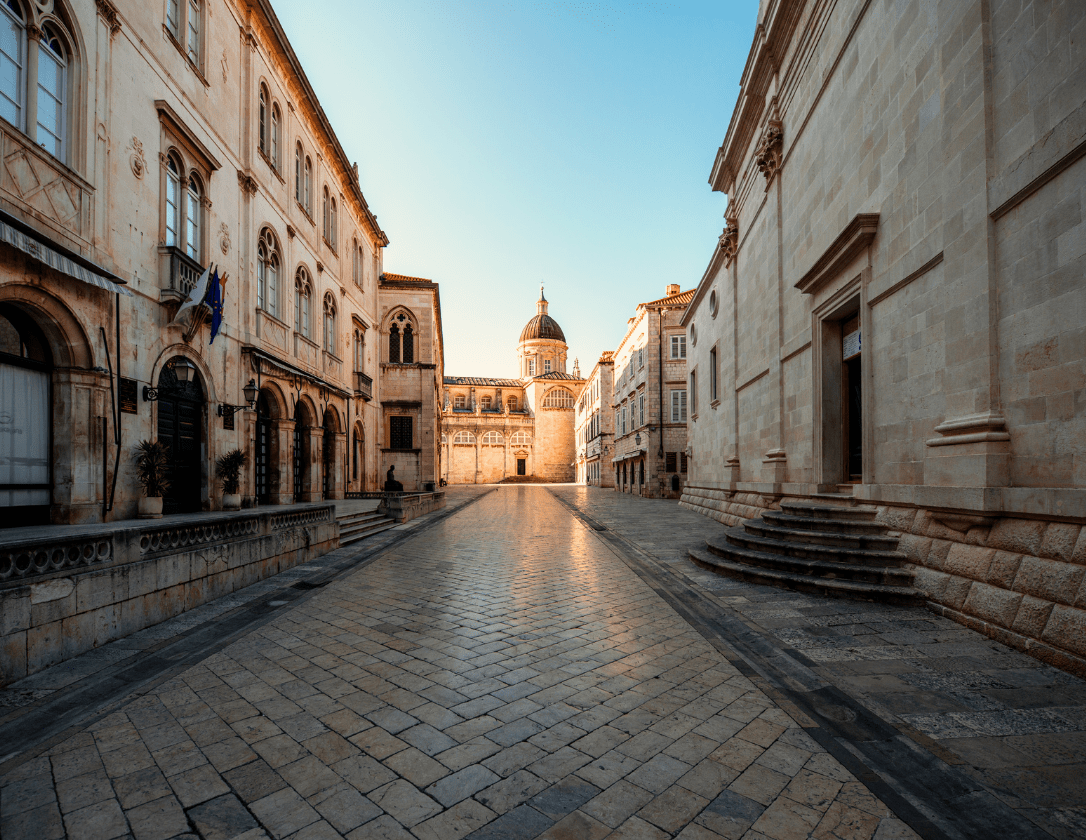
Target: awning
{"x":55,"y":260}
{"x":637,"y":453}
{"x":288,"y":370}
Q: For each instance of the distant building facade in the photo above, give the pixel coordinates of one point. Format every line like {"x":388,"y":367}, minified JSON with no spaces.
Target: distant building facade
{"x":650,"y":401}
{"x":595,"y":425}
{"x":894,"y":312}
{"x":496,"y":429}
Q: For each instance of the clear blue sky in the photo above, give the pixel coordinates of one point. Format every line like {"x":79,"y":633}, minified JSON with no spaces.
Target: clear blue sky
{"x":505,"y":143}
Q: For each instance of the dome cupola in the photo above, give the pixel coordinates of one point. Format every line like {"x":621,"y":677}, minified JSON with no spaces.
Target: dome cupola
{"x":542,"y":326}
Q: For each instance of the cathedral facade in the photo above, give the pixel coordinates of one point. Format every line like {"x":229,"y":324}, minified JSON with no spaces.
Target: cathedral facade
{"x":495,"y":429}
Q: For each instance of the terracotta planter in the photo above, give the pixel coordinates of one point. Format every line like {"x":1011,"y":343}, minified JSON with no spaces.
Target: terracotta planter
{"x":150,"y":507}
{"x":231,"y":501}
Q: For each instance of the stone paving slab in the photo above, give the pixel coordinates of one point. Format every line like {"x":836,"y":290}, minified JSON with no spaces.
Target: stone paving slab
{"x":1015,"y":725}
{"x":503,"y":673}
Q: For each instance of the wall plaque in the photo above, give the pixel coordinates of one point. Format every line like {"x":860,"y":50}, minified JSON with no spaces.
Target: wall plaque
{"x":851,"y":345}
{"x":127,"y":394}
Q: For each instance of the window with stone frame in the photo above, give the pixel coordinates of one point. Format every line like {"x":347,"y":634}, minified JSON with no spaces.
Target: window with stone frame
{"x":394,"y":344}
{"x":464,"y":438}
{"x":683,"y":463}
{"x":185,"y":23}
{"x":408,"y":344}
{"x":712,"y":375}
{"x":460,"y":401}
{"x":359,"y":349}
{"x":694,"y":392}
{"x":641,"y":409}
{"x":330,"y":324}
{"x":531,"y":367}
{"x":558,"y":398}
{"x":493,"y":439}
{"x":401,"y":432}
{"x":678,"y":405}
{"x":263,"y":133}
{"x":267,"y":272}
{"x":678,"y":346}
{"x":484,"y":403}
{"x":520,"y":439}
{"x":303,"y":295}
{"x":512,"y":403}
{"x":640,"y":357}
{"x":670,"y":462}
{"x":546,"y":365}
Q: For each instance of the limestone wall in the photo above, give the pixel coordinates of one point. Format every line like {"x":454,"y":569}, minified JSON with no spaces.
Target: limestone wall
{"x":73,"y":591}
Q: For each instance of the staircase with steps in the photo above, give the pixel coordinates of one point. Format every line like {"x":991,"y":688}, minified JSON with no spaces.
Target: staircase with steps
{"x":357,"y":526}
{"x":825,"y":549}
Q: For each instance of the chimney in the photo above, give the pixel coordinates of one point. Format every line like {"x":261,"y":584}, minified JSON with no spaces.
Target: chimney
{"x":672,"y":289}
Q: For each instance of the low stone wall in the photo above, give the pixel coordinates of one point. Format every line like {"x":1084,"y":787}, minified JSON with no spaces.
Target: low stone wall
{"x":72,"y":590}
{"x":1020,"y":581}
{"x":726,"y":506}
{"x":403,"y":508}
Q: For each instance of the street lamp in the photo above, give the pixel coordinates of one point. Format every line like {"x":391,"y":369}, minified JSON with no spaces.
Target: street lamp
{"x":251,"y":393}
{"x":182,"y":370}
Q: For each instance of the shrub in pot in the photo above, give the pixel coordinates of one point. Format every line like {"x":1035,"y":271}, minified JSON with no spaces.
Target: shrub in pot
{"x":152,"y":472}
{"x":228,"y":469}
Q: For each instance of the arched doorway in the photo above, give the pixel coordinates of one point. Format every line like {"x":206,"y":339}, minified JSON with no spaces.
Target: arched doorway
{"x":300,"y":450}
{"x":26,"y":365}
{"x":262,"y":463}
{"x":180,"y":427}
{"x":328,"y":454}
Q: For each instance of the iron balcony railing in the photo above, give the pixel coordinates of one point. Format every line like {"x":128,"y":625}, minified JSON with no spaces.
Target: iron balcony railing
{"x":363,"y":386}
{"x":184,"y":272}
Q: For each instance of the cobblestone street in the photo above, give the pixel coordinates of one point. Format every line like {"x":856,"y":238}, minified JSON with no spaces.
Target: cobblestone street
{"x":545,"y":662}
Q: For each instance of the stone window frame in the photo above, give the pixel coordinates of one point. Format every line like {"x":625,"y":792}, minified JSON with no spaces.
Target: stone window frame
{"x":559,"y":397}
{"x":401,"y":331}
{"x":493,"y":438}
{"x":520,"y":439}
{"x":269,"y":256}
{"x":464,"y":438}
{"x":269,"y":128}
{"x":460,"y":401}
{"x":678,"y":347}
{"x":303,"y":302}
{"x":188,"y":33}
{"x":678,"y":405}
{"x":329,"y":335}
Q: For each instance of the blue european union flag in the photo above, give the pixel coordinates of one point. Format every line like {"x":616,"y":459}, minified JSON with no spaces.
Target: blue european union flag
{"x":214,"y":302}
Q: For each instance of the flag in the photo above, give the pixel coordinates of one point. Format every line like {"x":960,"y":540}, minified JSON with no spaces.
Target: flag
{"x":215,"y":294}
{"x":196,"y":296}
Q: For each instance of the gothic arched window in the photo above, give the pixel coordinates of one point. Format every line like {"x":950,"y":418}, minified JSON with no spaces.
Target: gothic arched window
{"x":394,"y":344}
{"x":267,"y":272}
{"x":173,"y":201}
{"x":408,"y":344}
{"x":330,"y":324}
{"x":192,"y":219}
{"x":52,"y":84}
{"x":303,"y":293}
{"x":276,"y":127}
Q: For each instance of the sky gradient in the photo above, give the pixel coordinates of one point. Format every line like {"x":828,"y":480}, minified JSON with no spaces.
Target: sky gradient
{"x":506,"y":143}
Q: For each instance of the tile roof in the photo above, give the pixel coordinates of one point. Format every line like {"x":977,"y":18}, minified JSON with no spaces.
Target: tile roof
{"x":483,"y":380}
{"x":681,"y":299}
{"x":555,"y":374}
{"x":387,"y":277}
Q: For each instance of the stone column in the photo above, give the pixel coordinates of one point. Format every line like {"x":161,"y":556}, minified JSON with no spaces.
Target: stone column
{"x":280,"y":469}
{"x":313,"y":472}
{"x":338,"y":484}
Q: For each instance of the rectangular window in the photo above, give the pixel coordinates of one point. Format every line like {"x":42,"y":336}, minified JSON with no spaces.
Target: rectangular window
{"x":683,"y":463}
{"x":623,"y":419}
{"x":694,"y":391}
{"x":400,"y":432}
{"x":712,"y":375}
{"x":678,"y":406}
{"x":531,"y":367}
{"x":640,"y":357}
{"x":194,"y":32}
{"x":670,"y":462}
{"x":546,"y":365}
{"x":678,"y":346}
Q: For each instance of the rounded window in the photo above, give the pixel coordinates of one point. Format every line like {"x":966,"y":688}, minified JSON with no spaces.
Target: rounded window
{"x":693,"y":335}
{"x":714,"y":304}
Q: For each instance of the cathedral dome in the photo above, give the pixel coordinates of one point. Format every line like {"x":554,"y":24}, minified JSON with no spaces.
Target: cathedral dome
{"x":542,"y":325}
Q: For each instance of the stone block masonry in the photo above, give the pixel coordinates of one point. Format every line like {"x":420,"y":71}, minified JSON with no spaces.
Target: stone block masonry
{"x":64,"y":594}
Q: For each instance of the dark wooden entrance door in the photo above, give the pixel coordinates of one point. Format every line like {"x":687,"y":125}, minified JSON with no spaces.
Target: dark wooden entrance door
{"x":263,"y":451}
{"x":180,"y":425}
{"x":327,"y":456}
{"x":522,"y":466}
{"x":854,"y":407}
{"x":298,"y":456}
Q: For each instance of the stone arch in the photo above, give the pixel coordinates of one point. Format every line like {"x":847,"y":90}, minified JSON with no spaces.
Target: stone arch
{"x":277,"y":401}
{"x":305,"y":449}
{"x":67,"y":339}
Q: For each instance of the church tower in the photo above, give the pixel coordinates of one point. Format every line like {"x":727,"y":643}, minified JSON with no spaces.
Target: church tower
{"x":542,"y":348}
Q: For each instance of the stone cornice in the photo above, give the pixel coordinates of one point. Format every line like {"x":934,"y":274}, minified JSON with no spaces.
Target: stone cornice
{"x":856,"y":236}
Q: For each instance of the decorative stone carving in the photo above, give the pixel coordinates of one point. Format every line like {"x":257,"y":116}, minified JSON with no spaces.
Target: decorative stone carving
{"x":19,"y":563}
{"x":225,"y":67}
{"x":174,"y":538}
{"x":137,"y":160}
{"x":768,"y":156}
{"x":224,"y":238}
{"x":108,"y":12}
{"x":729,"y":240}
{"x":247,"y":182}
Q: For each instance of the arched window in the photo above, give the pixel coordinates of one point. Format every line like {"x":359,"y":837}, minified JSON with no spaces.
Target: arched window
{"x":326,"y":217}
{"x":173,"y":201}
{"x":276,"y":125}
{"x":303,"y":291}
{"x":330,"y":324}
{"x":408,"y":344}
{"x":493,"y":439}
{"x":267,"y":272}
{"x":308,"y":186}
{"x":520,"y":439}
{"x":460,"y":401}
{"x":464,"y":437}
{"x":394,"y":344}
{"x":332,"y":225}
{"x":357,"y":451}
{"x":512,"y":403}
{"x":359,"y":350}
{"x":263,"y":119}
{"x":558,"y":398}
{"x":485,"y":402}
{"x":298,"y":173}
{"x":192,"y":219}
{"x":52,"y":82}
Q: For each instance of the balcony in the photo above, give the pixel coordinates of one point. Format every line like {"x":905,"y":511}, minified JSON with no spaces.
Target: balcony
{"x":363,"y":386}
{"x":179,"y":271}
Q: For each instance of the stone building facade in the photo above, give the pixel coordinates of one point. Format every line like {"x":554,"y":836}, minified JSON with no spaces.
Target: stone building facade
{"x":595,"y":425}
{"x":170,"y":138}
{"x":649,"y":402}
{"x":497,"y":429}
{"x":894,"y":312}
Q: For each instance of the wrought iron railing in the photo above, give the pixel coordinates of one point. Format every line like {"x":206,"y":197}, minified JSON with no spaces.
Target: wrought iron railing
{"x":184,"y":272}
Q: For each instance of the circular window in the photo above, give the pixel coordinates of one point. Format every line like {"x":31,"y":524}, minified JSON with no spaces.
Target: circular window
{"x":693,"y":334}
{"x":713,"y":303}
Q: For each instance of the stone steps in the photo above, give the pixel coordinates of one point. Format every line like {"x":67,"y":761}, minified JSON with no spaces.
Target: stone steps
{"x":357,"y":526}
{"x":817,"y":548}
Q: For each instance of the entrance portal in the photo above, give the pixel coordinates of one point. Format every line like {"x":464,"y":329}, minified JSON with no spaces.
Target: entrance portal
{"x":180,"y":427}
{"x":852,"y":400}
{"x":25,"y":421}
{"x":522,"y":466}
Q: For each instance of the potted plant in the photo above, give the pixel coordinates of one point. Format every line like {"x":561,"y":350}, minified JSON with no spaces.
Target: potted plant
{"x":152,"y":469}
{"x":228,"y":469}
